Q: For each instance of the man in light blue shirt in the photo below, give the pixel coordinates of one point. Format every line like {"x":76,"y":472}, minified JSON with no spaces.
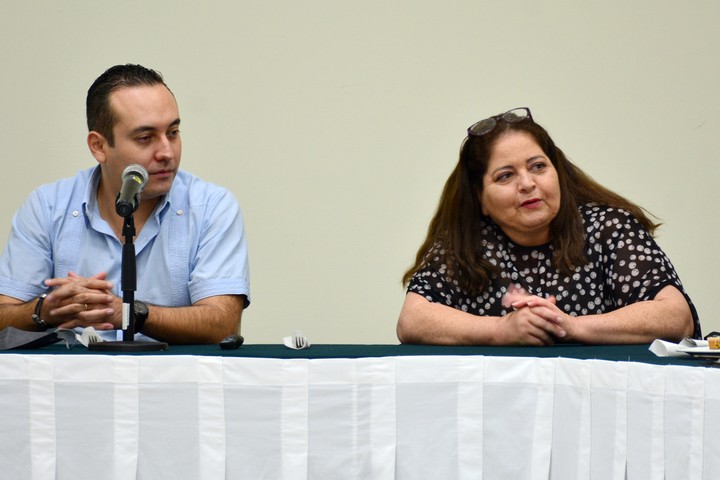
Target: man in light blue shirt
{"x":61,"y":266}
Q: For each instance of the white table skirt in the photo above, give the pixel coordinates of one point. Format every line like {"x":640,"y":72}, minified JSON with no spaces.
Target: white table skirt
{"x":442,"y":417}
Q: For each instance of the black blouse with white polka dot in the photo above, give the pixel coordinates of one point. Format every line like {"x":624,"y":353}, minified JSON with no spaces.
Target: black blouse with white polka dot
{"x":625,"y":266}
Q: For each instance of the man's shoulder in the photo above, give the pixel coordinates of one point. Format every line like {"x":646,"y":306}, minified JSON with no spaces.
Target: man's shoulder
{"x":197,"y":190}
{"x":66,"y":187}
{"x":191,"y":191}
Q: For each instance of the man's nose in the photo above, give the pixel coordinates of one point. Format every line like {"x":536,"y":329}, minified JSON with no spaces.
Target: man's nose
{"x":164,"y":150}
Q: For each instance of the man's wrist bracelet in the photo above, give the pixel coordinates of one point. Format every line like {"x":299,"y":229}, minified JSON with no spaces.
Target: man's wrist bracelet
{"x":38,"y":309}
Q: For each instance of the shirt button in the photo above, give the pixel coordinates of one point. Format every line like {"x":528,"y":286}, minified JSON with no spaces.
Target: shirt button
{"x":179,"y":212}
{"x":75,"y":213}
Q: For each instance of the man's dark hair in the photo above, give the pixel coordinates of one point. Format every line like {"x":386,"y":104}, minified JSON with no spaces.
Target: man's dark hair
{"x":100,"y":116}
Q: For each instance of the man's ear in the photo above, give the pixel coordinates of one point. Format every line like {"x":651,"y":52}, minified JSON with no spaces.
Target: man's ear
{"x":98,"y":146}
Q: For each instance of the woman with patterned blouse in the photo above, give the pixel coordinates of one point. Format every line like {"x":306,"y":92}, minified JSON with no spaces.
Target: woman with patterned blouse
{"x":526,"y":249}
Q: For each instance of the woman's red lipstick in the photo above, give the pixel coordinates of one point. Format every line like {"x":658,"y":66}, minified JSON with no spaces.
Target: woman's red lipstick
{"x":532,"y":203}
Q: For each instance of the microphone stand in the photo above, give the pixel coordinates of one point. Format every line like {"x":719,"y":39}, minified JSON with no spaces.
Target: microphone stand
{"x":128,"y":279}
{"x":128,"y":276}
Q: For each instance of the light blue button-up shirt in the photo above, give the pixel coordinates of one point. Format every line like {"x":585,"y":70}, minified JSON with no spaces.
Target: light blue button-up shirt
{"x":193,"y":246}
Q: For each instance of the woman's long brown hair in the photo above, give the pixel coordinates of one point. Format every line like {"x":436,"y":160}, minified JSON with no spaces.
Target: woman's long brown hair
{"x":453,"y":234}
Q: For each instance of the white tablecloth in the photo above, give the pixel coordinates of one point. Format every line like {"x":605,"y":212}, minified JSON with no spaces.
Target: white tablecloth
{"x":443,"y":417}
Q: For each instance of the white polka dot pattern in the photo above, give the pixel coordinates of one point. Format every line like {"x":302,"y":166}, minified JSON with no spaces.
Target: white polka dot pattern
{"x":625,"y":266}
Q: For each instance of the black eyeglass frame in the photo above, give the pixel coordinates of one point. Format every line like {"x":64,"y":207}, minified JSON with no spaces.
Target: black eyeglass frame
{"x":485,"y":126}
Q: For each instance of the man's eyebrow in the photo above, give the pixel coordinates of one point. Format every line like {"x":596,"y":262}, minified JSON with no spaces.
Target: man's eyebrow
{"x":148,"y":128}
{"x":142,"y":129}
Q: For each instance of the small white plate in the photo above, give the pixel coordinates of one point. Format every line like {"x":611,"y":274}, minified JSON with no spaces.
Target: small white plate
{"x":700,"y":351}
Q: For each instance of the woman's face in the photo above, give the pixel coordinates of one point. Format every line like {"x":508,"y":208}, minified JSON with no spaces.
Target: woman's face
{"x":521,"y":191}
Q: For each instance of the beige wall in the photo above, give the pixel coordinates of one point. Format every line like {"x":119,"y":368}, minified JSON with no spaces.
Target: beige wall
{"x":335,"y":123}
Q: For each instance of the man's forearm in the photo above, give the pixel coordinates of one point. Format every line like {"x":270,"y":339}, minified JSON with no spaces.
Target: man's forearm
{"x":207,"y":321}
{"x":16,"y":313}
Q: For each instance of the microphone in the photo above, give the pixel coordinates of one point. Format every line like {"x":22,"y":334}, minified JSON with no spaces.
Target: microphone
{"x":134,"y":178}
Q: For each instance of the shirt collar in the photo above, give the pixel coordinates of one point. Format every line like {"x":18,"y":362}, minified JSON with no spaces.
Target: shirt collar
{"x":90,"y":198}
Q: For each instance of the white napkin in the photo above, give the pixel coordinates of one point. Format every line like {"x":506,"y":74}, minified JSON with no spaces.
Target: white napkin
{"x":67,"y":336}
{"x":70,"y":337}
{"x":296,"y":341}
{"x":661,"y":348}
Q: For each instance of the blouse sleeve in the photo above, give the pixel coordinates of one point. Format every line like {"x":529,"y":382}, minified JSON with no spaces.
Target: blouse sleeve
{"x":431,"y":281}
{"x":635,"y":267}
{"x":437,"y":283}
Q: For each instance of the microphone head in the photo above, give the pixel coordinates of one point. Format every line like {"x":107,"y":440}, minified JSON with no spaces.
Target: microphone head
{"x":136,"y":171}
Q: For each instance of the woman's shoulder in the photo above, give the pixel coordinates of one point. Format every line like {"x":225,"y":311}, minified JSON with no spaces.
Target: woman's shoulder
{"x":596,"y":213}
{"x":602,"y":218}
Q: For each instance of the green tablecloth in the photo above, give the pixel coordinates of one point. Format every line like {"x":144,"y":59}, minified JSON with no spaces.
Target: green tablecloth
{"x":632,"y":353}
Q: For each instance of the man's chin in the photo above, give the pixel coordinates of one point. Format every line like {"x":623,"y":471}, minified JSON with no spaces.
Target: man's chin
{"x":157,"y":187}
{"x":154,"y":193}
